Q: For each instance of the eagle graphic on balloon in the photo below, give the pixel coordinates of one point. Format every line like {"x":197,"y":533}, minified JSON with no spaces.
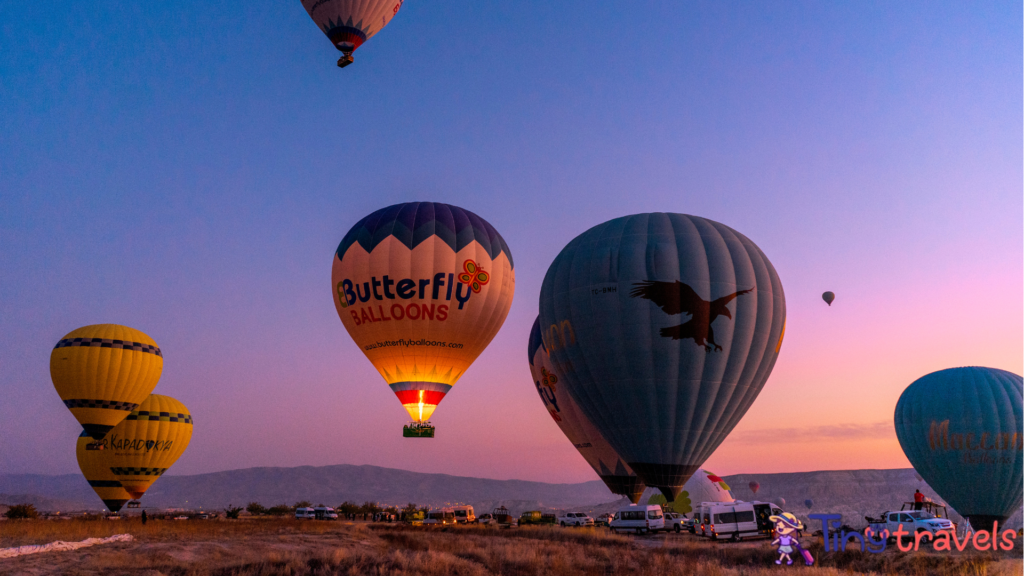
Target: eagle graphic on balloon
{"x":679,"y":298}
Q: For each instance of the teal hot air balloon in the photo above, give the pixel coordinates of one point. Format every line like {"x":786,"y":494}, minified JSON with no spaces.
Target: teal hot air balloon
{"x":961,"y":429}
{"x":664,"y":328}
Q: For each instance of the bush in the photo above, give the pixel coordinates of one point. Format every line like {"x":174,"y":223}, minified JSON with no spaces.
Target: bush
{"x":232,"y":512}
{"x":255,"y":508}
{"x":21,"y":511}
{"x":280,"y":510}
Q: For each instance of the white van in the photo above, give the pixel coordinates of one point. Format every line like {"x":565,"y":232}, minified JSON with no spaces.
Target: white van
{"x":325,"y":513}
{"x":305,"y":514}
{"x":443,"y":517}
{"x":639,"y":519}
{"x":464,"y":514}
{"x":734,"y":520}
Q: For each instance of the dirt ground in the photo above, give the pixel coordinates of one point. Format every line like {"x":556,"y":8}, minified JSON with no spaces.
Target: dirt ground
{"x":245,"y":547}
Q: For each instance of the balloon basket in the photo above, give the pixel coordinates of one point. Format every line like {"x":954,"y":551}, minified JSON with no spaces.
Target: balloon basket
{"x":134,"y":504}
{"x":418,"y":430}
{"x":345,"y":60}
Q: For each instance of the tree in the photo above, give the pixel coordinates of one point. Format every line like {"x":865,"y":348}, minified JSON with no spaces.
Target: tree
{"x":21,"y":511}
{"x":347,"y":507}
{"x":256,"y":509}
{"x":370,"y":507}
{"x":279,"y":510}
{"x":302,"y":504}
{"x":409,"y":510}
{"x":232,"y":512}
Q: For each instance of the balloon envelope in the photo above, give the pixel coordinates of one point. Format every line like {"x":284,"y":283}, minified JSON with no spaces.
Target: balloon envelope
{"x":94,"y":466}
{"x":828,"y":297}
{"x":809,"y":503}
{"x":152,"y":438}
{"x":961,"y":429}
{"x":422,"y":288}
{"x":780,"y":501}
{"x":619,"y":478}
{"x":754,"y":487}
{"x":103,"y":372}
{"x":703,"y":486}
{"x":349,"y":23}
{"x":664,"y":328}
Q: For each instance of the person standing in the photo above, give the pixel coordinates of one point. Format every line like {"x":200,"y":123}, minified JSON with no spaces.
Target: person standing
{"x":918,"y":499}
{"x":144,"y":518}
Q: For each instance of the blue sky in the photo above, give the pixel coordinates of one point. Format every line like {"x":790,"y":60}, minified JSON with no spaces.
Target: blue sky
{"x":188,"y":169}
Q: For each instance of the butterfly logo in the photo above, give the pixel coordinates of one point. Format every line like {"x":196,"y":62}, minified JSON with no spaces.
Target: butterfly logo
{"x":474,"y":275}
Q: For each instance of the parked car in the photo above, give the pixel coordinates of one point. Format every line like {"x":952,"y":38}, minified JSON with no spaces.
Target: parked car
{"x":574,"y":519}
{"x":640,"y":519}
{"x":305,"y":513}
{"x":912,"y":521}
{"x":464,"y":514}
{"x":675,"y":521}
{"x":735,"y":520}
{"x":485,"y":519}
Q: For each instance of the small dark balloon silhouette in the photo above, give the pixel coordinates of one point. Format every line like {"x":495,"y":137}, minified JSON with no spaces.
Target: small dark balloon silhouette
{"x":828,"y":297}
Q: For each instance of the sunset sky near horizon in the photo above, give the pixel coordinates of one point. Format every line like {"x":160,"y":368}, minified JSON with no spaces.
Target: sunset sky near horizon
{"x":188,"y":169}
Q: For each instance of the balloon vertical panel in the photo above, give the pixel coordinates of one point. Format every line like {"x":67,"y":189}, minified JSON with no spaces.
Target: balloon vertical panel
{"x":621,"y":310}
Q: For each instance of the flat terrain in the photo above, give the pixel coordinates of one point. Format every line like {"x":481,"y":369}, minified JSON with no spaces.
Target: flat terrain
{"x":272,"y":546}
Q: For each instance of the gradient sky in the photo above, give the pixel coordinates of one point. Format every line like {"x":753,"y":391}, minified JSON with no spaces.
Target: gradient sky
{"x":189,"y":168}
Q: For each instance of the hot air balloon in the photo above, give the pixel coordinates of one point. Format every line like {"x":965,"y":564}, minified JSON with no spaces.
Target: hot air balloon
{"x":422,"y":288}
{"x":349,"y":23}
{"x":92,"y":462}
{"x":961,"y":429}
{"x":102,"y":373}
{"x":754,"y":487}
{"x":809,"y":503}
{"x":151,"y":439}
{"x":664,"y":328}
{"x":828,"y":297}
{"x":587,"y":440}
{"x":703,"y":486}
{"x":780,"y":502}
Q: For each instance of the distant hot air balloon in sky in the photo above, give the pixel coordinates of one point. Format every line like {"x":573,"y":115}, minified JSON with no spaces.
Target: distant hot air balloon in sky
{"x":94,"y":466}
{"x":103,"y":372}
{"x":422,"y":288}
{"x":780,"y":502}
{"x":152,"y":438}
{"x":809,"y":503}
{"x":828,"y":297}
{"x":754,"y":487}
{"x":703,"y":486}
{"x":664,"y":328}
{"x":961,"y":429}
{"x":349,"y":23}
{"x":619,"y":478}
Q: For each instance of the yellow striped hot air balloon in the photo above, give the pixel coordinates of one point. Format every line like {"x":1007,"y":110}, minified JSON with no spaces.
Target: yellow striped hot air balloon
{"x":102,"y":372}
{"x":92,"y":461}
{"x":140,"y":449}
{"x":422,"y":288}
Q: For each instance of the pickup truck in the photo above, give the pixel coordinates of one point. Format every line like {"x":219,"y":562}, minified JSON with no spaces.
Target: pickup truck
{"x":912,"y":521}
{"x":575,"y":519}
{"x":675,"y":521}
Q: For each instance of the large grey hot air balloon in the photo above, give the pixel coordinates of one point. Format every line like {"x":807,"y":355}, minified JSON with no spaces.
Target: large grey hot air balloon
{"x":963,"y":430}
{"x":664,"y":328}
{"x":587,"y":440}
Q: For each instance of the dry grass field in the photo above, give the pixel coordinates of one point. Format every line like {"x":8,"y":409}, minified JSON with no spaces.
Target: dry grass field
{"x":264,"y":547}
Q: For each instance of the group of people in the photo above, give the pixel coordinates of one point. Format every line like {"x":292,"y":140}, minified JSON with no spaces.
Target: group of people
{"x":375,"y":517}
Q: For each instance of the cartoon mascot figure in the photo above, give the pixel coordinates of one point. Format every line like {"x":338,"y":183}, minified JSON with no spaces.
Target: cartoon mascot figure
{"x":787,"y":539}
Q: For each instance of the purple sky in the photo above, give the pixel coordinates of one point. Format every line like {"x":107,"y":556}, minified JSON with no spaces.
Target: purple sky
{"x":189,"y":169}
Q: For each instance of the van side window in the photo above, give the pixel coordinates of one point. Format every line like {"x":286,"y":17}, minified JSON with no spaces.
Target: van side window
{"x":745,"y":516}
{"x":654,"y":514}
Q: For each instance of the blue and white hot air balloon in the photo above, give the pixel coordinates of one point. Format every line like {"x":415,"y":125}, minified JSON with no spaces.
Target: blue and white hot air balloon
{"x":663,"y":328}
{"x":961,"y":428}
